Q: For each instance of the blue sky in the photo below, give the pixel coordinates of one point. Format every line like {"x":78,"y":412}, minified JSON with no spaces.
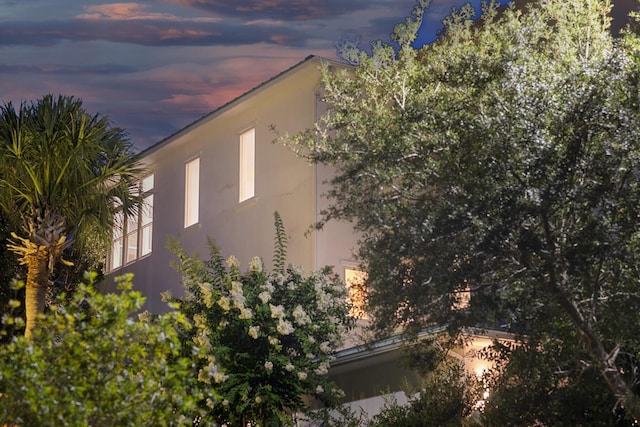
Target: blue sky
{"x":154,"y":66}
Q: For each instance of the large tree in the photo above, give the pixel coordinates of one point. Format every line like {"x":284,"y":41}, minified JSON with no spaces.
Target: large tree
{"x":63,"y":174}
{"x":502,"y":160}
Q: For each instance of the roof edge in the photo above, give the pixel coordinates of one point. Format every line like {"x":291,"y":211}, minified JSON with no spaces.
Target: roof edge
{"x":226,"y":106}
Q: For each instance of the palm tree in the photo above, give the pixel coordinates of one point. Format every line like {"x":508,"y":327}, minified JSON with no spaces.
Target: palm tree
{"x":63,"y":175}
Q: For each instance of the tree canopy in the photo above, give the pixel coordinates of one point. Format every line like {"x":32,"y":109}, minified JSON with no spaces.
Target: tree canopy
{"x":502,"y":161}
{"x":64,"y":173}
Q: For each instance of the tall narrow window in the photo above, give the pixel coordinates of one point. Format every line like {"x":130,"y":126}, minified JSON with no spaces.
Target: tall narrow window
{"x":355,"y":281}
{"x":191,"y":192}
{"x":247,"y":164}
{"x":146,"y":223}
{"x":131,"y":239}
{"x":117,"y":242}
{"x":146,"y":216}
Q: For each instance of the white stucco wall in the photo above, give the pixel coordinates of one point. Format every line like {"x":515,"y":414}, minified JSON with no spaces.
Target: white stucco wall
{"x":284,"y":183}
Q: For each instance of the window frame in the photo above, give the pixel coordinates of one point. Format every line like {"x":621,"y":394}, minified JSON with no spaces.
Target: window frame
{"x":192,"y":192}
{"x":358,"y":307}
{"x":119,"y":254}
{"x":247,"y":165}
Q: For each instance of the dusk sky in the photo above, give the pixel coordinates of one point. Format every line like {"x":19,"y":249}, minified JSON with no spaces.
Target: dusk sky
{"x":154,"y":66}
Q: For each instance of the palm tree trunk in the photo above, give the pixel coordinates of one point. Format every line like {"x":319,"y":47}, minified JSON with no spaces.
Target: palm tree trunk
{"x":36,"y":289}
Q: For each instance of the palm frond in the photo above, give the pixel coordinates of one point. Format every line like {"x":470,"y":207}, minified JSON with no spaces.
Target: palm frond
{"x":55,"y":156}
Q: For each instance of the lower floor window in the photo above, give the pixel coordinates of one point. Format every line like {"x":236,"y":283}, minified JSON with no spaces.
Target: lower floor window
{"x":355,"y":281}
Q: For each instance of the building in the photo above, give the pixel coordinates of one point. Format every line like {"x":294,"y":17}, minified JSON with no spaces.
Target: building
{"x":223,"y":177}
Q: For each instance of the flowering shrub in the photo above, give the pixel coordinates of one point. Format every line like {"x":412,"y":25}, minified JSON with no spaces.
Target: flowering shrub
{"x":263,"y":340}
{"x":90,"y":363}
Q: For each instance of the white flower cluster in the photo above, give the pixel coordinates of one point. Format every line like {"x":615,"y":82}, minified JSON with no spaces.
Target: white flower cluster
{"x":256,"y":264}
{"x":325,"y":300}
{"x":239,"y":300}
{"x":245,"y":313}
{"x":300,"y":316}
{"x":211,"y":371}
{"x":279,"y":279}
{"x":277,"y":311}
{"x":323,"y":368}
{"x":201,"y":339}
{"x":284,"y":327}
{"x":268,"y":286}
{"x":233,"y":262}
{"x":273,"y":341}
{"x":237,"y":295}
{"x":254,"y":331}
{"x":225,"y":303}
{"x":200,"y":321}
{"x":264,"y":296}
{"x":267,"y":292}
{"x":207,"y":294}
{"x":325,"y":347}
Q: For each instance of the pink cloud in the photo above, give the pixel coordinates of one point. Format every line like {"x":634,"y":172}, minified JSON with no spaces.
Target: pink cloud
{"x":132,"y":11}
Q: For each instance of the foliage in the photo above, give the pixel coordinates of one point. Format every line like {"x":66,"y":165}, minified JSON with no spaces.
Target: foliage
{"x":63,"y":174}
{"x":447,"y":398}
{"x":500,"y":160}
{"x":338,"y":416}
{"x":89,"y":363}
{"x":57,"y":157}
{"x":550,"y":387}
{"x":264,"y":341}
{"x":9,"y":270}
{"x":8,"y":261}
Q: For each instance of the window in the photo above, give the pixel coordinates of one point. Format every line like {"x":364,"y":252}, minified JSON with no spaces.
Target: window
{"x":191,"y":192}
{"x":146,"y":220}
{"x":247,"y":164}
{"x":132,"y":238}
{"x":117,"y":242}
{"x":355,"y":281}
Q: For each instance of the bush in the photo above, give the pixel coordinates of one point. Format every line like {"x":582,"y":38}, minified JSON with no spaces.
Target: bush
{"x":90,"y":363}
{"x":263,"y":341}
{"x":448,"y":398}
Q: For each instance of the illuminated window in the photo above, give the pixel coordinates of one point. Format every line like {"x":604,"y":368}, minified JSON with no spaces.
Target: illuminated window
{"x":247,"y":164}
{"x":131,"y":239}
{"x":191,"y":192}
{"x":355,"y":281}
{"x":146,"y":219}
{"x":117,"y":242}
